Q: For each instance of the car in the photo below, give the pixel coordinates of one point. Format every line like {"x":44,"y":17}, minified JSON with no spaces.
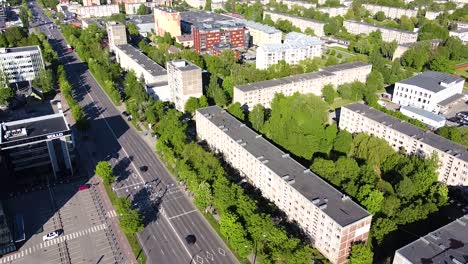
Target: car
{"x":51,"y":235}
{"x":84,"y":187}
{"x":125,"y":113}
{"x":144,"y":168}
{"x":191,"y":239}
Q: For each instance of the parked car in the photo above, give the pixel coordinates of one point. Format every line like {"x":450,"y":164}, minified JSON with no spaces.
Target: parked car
{"x":84,"y":187}
{"x":52,"y":235}
{"x":144,"y":168}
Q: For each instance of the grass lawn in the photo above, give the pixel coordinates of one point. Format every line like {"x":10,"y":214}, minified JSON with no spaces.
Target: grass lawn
{"x":464,"y":73}
{"x":340,"y":102}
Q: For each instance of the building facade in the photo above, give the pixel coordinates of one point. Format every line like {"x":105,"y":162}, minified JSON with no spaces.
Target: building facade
{"x":388,"y":34}
{"x":334,"y":11}
{"x":295,"y":48}
{"x":448,"y":244}
{"x":185,"y":81}
{"x":97,"y":11}
{"x":428,"y":118}
{"x":263,"y":92}
{"x":38,"y":145}
{"x":300,"y":22}
{"x":166,"y":20}
{"x":426,"y":90}
{"x":91,"y":2}
{"x":331,"y":219}
{"x":391,"y":12}
{"x":461,"y":33}
{"x":206,"y":36}
{"x":262,"y":34}
{"x":21,"y":63}
{"x":453,"y":158}
{"x":144,"y":23}
{"x":116,"y":34}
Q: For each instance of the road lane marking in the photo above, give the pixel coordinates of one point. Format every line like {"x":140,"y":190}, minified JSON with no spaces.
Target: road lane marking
{"x":179,"y":215}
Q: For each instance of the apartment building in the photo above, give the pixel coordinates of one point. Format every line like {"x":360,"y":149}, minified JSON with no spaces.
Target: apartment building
{"x":453,"y":158}
{"x":388,"y":34}
{"x":332,"y":221}
{"x":261,"y":34}
{"x":21,"y":63}
{"x":210,"y":29}
{"x":291,"y":3}
{"x":166,"y":20}
{"x":391,"y":12}
{"x":129,"y":1}
{"x":428,"y":118}
{"x":144,"y":23}
{"x":131,"y":58}
{"x":300,"y":22}
{"x":461,"y":33}
{"x":427,"y":90}
{"x":97,"y":11}
{"x":132,"y":8}
{"x":334,"y":11}
{"x":38,"y":145}
{"x":185,"y":81}
{"x":263,"y":92}
{"x":448,"y":244}
{"x":402,"y":48}
{"x":295,"y":48}
{"x":91,"y":2}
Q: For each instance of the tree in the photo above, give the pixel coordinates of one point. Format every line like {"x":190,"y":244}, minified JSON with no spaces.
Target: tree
{"x":45,"y":81}
{"x":142,"y":10}
{"x":132,"y":29}
{"x":309,"y":32}
{"x":235,"y":234}
{"x":324,"y":168}
{"x":380,"y":16}
{"x":442,"y":64}
{"x":257,"y":117}
{"x":191,"y":105}
{"x":130,"y":220}
{"x":215,"y":92}
{"x":452,"y":133}
{"x":207,"y":5}
{"x":6,"y":93}
{"x":104,"y":171}
{"x":360,"y":254}
{"x":329,"y":93}
{"x":373,"y":202}
{"x":343,"y":142}
{"x":390,"y":205}
{"x":203,"y":196}
{"x":236,"y":110}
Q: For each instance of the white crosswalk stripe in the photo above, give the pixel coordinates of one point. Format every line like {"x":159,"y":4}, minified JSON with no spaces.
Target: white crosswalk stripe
{"x":48,"y":243}
{"x":111,"y":214}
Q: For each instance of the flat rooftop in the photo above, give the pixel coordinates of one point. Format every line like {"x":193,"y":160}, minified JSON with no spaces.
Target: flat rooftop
{"x":19,"y":49}
{"x":432,"y":80}
{"x":325,"y":72}
{"x":184,"y":65}
{"x":339,"y":207}
{"x":148,"y":64}
{"x":448,"y":244}
{"x":425,"y":136}
{"x":381,"y":27}
{"x":32,"y":128}
{"x":143,"y":19}
{"x":424,"y":113}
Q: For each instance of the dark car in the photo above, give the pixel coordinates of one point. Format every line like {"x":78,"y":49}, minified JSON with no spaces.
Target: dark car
{"x":191,"y":239}
{"x":144,"y":168}
{"x":125,"y":113}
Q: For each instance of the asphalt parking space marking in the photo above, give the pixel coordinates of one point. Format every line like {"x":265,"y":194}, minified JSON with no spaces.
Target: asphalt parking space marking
{"x":52,"y":242}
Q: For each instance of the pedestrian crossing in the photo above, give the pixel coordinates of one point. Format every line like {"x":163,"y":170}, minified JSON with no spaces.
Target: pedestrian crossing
{"x":45,"y":244}
{"x":111,"y":214}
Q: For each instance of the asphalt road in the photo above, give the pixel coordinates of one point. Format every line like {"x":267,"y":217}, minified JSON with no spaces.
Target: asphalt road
{"x":110,"y":137}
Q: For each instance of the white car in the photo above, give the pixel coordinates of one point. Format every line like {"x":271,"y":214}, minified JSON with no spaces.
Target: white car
{"x":51,"y":235}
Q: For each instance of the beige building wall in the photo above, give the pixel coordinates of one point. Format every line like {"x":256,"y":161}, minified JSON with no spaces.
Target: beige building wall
{"x":301,"y":23}
{"x":116,"y":33}
{"x":185,"y":81}
{"x":391,"y":12}
{"x":166,"y":20}
{"x":388,"y":34}
{"x":330,"y":238}
{"x":91,"y":2}
{"x":260,"y":37}
{"x":453,"y":159}
{"x":97,"y":11}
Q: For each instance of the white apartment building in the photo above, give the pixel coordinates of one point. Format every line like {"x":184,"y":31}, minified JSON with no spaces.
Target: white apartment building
{"x":331,"y":219}
{"x":97,"y":11}
{"x":453,"y":158}
{"x":334,"y":11}
{"x":391,"y":12}
{"x":428,"y":118}
{"x":461,"y":33}
{"x":21,"y":63}
{"x":439,"y":246}
{"x":426,"y":90}
{"x":185,"y":81}
{"x":291,"y":3}
{"x":262,"y":34}
{"x":388,"y":34}
{"x":263,"y":92}
{"x":295,"y":48}
{"x":300,"y":22}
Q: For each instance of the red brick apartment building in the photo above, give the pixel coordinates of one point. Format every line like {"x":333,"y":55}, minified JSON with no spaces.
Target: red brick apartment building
{"x":205,"y":36}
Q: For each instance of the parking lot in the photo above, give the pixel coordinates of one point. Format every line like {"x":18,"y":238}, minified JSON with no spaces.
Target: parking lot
{"x":86,"y":236}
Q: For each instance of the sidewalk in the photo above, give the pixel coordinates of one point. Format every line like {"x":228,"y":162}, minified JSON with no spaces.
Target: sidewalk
{"x":124,"y":246}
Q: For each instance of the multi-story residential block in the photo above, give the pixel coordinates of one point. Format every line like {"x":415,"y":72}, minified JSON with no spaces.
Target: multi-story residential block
{"x":331,"y":219}
{"x":185,"y":81}
{"x":22,"y":63}
{"x":116,"y":34}
{"x":38,"y":145}
{"x":295,"y":48}
{"x":210,"y":29}
{"x":300,"y":22}
{"x":263,"y":92}
{"x":388,"y":34}
{"x":428,"y":118}
{"x":132,"y":8}
{"x":129,"y":1}
{"x":262,"y":34}
{"x":426,"y":90}
{"x":166,"y":20}
{"x":323,"y":2}
{"x":391,"y":12}
{"x":402,"y":48}
{"x":453,"y":158}
{"x":448,"y":244}
{"x":461,"y":33}
{"x":334,"y":11}
{"x":185,"y":40}
{"x":91,"y":2}
{"x":291,"y":3}
{"x":145,"y":23}
{"x":97,"y":11}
